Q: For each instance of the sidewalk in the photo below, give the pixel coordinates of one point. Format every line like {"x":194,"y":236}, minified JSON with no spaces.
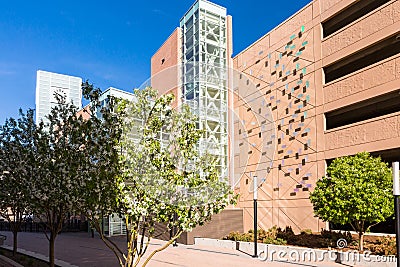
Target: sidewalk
{"x":79,"y":249}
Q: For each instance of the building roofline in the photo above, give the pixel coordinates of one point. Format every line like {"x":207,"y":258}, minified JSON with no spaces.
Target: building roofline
{"x":51,"y":72}
{"x":107,"y":90}
{"x":177,"y":28}
{"x":208,"y":2}
{"x":276,"y":27}
{"x":116,"y":89}
{"x":87,"y":105}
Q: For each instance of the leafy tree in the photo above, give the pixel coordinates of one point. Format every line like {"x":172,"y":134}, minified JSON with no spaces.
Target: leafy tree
{"x":165,"y":179}
{"x":68,"y":165}
{"x":16,"y":157}
{"x":58,"y":156}
{"x":357,"y":190}
{"x":102,"y":187}
{"x":76,"y":165}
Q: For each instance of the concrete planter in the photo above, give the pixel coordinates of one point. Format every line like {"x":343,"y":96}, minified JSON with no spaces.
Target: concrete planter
{"x":269,"y":252}
{"x":2,"y":238}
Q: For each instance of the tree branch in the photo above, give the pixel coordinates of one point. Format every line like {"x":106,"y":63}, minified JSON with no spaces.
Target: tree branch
{"x":352,"y":226}
{"x":369,"y":227}
{"x":162,"y":248}
{"x":111,"y":246}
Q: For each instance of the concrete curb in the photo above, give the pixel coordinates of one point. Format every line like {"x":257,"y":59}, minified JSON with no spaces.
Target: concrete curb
{"x":40,"y":256}
{"x":10,"y":261}
{"x":269,"y":252}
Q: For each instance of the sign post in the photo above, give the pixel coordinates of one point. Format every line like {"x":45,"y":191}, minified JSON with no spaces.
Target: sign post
{"x":255,"y":184}
{"x":396,"y":194}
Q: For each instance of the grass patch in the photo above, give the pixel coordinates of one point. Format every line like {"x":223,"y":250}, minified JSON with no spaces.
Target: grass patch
{"x":23,"y":259}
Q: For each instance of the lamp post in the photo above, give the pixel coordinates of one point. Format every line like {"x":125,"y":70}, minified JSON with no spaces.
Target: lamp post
{"x":255,"y":214}
{"x":396,"y":194}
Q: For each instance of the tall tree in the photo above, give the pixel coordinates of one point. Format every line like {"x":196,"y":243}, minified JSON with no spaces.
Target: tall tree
{"x":16,"y":173}
{"x":68,"y":165}
{"x":357,"y":191}
{"x":55,"y":190}
{"x":102,"y":189}
{"x":166,"y":180}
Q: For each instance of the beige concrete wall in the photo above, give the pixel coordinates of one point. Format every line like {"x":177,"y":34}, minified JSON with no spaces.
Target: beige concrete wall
{"x":299,"y":120}
{"x":84,"y":112}
{"x":370,"y":135}
{"x":374,"y":80}
{"x":375,"y":134}
{"x":293,"y":53}
{"x":377,"y":25}
{"x":282,"y":200}
{"x":330,"y":7}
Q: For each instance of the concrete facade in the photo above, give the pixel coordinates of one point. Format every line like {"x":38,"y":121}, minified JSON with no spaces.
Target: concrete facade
{"x":284,"y":65}
{"x":330,"y":77}
{"x":48,"y":84}
{"x":165,"y":72}
{"x":295,"y":87}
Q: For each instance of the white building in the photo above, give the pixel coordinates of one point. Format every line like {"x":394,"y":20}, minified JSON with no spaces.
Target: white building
{"x":113,"y":225}
{"x":48,"y":84}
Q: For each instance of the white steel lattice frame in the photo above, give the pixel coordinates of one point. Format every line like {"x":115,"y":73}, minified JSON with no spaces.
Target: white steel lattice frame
{"x":204,"y":76}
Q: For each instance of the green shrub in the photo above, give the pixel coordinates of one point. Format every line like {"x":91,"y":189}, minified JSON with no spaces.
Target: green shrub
{"x":236,"y":236}
{"x":306,"y":232}
{"x":269,"y":234}
{"x":277,"y":241}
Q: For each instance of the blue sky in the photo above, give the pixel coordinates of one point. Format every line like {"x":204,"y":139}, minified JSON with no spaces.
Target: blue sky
{"x":108,"y":42}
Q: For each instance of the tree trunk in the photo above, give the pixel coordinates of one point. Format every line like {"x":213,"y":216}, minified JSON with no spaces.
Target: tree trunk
{"x":15,"y":242}
{"x":361,"y":241}
{"x":51,"y":248}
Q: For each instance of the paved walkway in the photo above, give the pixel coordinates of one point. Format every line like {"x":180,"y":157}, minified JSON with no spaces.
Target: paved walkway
{"x":79,"y":249}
